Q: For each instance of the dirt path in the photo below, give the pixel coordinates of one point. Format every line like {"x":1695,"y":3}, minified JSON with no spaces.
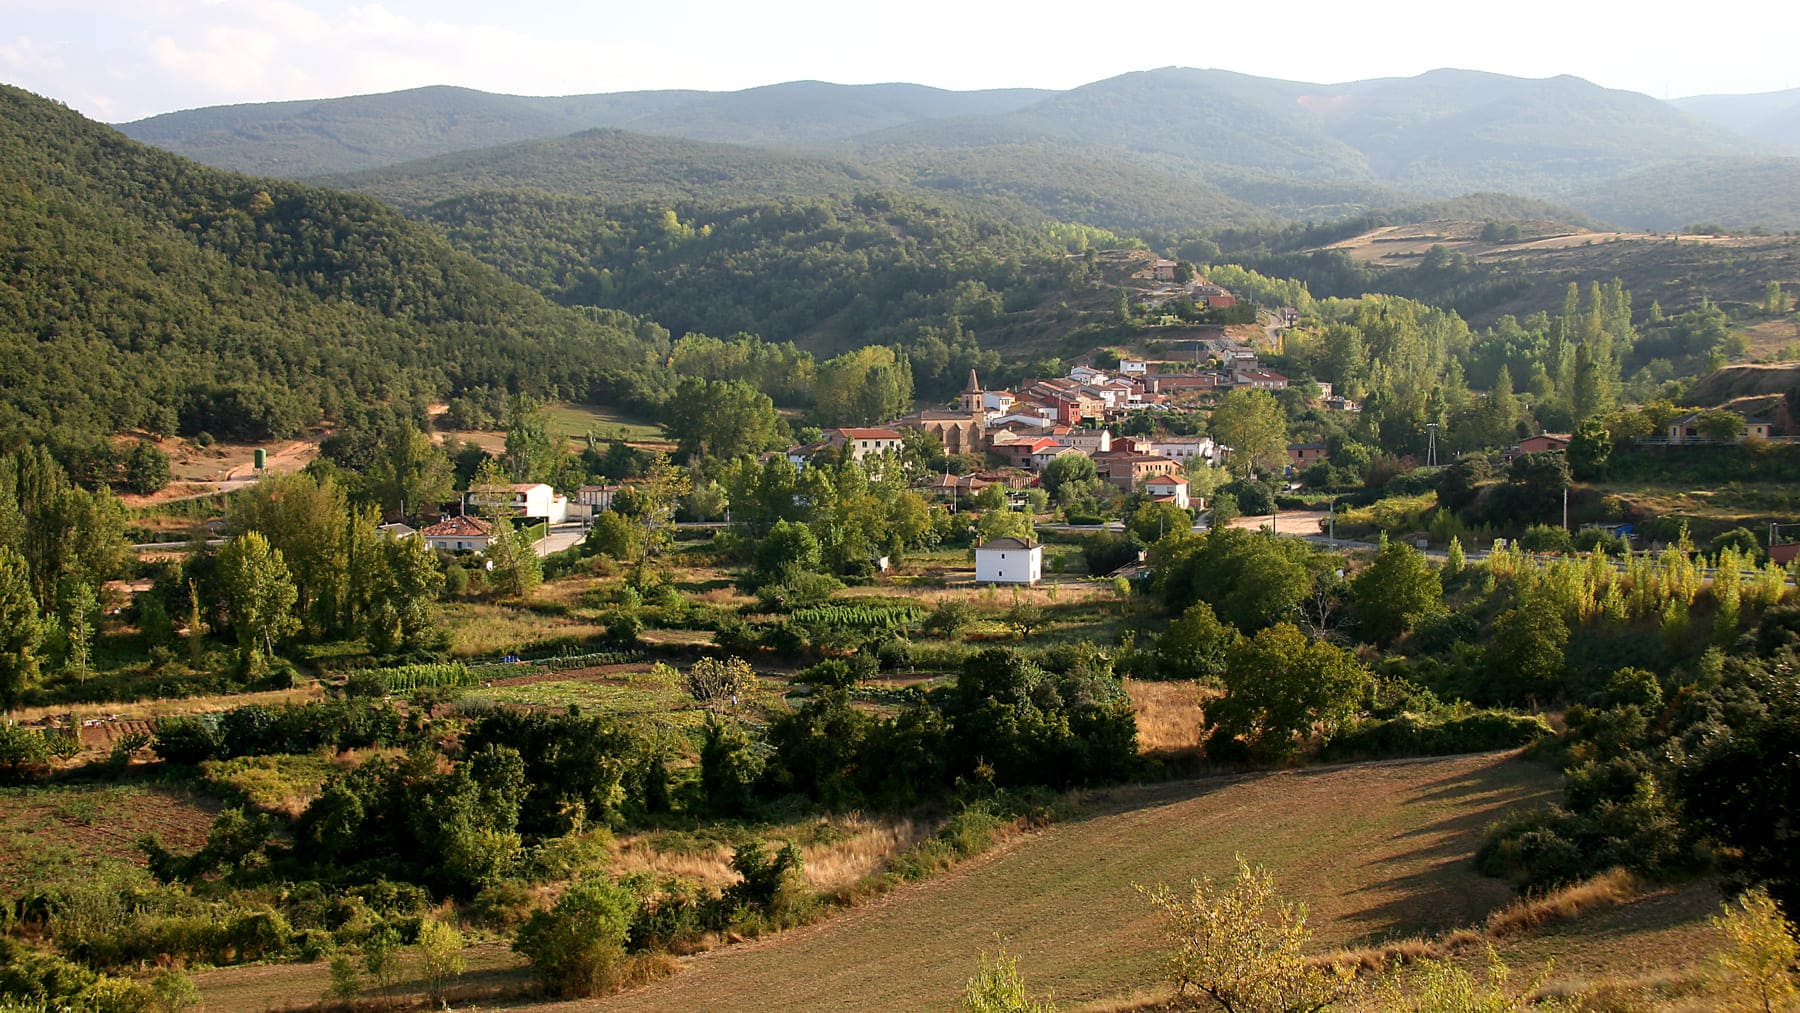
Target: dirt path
{"x":1376,"y":850}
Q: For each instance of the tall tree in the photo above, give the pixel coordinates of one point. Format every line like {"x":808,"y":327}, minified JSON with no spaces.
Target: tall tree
{"x":1253,"y":425}
{"x":259,"y":594}
{"x":20,"y":630}
{"x":531,"y":452}
{"x":410,"y":473}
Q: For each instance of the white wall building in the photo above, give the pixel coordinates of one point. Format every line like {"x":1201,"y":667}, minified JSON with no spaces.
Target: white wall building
{"x":1009,"y":561}
{"x":525,"y":499}
{"x":1184,"y":449}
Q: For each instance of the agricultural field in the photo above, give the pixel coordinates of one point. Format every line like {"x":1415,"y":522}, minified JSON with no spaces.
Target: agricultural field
{"x":49,"y":834}
{"x":1379,"y":852}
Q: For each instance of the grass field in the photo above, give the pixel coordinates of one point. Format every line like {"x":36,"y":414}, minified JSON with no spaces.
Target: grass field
{"x":48,"y":834}
{"x":1378,"y":851}
{"x":573,"y":422}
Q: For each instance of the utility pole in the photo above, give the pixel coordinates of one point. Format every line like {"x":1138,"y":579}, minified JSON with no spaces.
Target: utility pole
{"x":1565,"y":508}
{"x":1431,"y":429}
{"x":1331,"y":515}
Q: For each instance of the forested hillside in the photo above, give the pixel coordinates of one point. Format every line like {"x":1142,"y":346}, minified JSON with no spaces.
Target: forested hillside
{"x":616,"y":166}
{"x":317,"y":137}
{"x":144,"y":290}
{"x":829,"y":274}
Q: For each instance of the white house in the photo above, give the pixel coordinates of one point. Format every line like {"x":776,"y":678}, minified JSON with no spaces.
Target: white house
{"x":1183,"y":448}
{"x":1009,"y":561}
{"x":863,"y":442}
{"x":1134,"y":367}
{"x":1086,"y":374}
{"x":458,"y":534}
{"x":525,"y":499}
{"x":1168,"y":487}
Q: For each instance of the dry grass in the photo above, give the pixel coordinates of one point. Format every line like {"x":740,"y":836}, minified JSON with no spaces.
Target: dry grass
{"x":486,"y":629}
{"x":1169,"y":715}
{"x":841,"y":852}
{"x":1378,"y":851}
{"x":149,"y":710}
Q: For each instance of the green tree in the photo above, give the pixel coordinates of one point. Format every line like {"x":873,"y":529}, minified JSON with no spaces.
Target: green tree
{"x":305,"y":519}
{"x":1151,"y":521}
{"x":1395,"y":592}
{"x":259,"y":594}
{"x":1525,"y":649}
{"x":1280,"y":687}
{"x":410,"y":473}
{"x":1196,"y":645}
{"x":721,"y":419}
{"x":577,"y":948}
{"x":440,"y":959}
{"x":1005,"y":524}
{"x":147,"y":469}
{"x":1721,"y":426}
{"x":1253,"y":425}
{"x":871,"y":384}
{"x":1067,"y":469}
{"x":20,"y":630}
{"x":517,"y":569}
{"x":1759,"y":968}
{"x":532,"y":454}
{"x":1589,"y":447}
{"x":1244,"y":947}
{"x":83,"y":612}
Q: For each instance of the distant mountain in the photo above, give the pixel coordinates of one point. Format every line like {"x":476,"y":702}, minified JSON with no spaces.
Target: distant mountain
{"x":805,"y":113}
{"x":1771,"y":118}
{"x":1736,"y":193}
{"x":1452,"y":131}
{"x":326,"y":136}
{"x":1160,"y":150}
{"x":143,"y":289}
{"x":616,"y":166}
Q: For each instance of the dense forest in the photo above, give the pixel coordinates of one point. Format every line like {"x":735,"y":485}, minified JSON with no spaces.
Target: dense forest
{"x":829,"y":274}
{"x":145,"y":291}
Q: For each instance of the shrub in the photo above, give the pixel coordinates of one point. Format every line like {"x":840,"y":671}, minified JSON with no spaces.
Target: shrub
{"x":998,"y":987}
{"x":1544,"y":538}
{"x":577,"y":948}
{"x":440,"y":958}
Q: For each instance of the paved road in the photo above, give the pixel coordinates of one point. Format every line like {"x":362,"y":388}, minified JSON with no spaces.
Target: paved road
{"x":561,"y":537}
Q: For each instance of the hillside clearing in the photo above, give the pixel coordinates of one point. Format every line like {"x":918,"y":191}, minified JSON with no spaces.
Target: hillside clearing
{"x":1378,"y":851}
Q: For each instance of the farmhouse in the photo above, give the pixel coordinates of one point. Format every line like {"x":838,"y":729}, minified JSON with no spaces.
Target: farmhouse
{"x":1009,"y":561}
{"x":1542,"y":443}
{"x":458,"y":534}
{"x":526,"y":499}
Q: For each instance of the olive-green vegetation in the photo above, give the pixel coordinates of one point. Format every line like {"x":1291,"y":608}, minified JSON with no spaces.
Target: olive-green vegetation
{"x":829,"y":273}
{"x":148,"y":291}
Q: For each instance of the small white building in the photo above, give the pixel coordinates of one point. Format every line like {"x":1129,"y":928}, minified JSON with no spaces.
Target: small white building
{"x":1009,"y":561}
{"x":1134,"y":367}
{"x":524,"y":499}
{"x":458,"y":534}
{"x":1183,"y":448}
{"x":1171,"y":488}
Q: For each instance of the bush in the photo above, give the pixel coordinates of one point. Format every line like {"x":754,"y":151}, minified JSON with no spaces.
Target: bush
{"x":577,"y":948}
{"x":1410,"y":735}
{"x":1544,"y":538}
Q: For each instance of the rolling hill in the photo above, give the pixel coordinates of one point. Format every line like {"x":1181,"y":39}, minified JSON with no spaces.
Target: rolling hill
{"x":1175,"y":148}
{"x":146,"y":290}
{"x":326,"y":136}
{"x":617,"y":166}
{"x":1771,"y":118}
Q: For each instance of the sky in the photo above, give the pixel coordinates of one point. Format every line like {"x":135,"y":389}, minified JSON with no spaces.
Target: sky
{"x":119,"y":60}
